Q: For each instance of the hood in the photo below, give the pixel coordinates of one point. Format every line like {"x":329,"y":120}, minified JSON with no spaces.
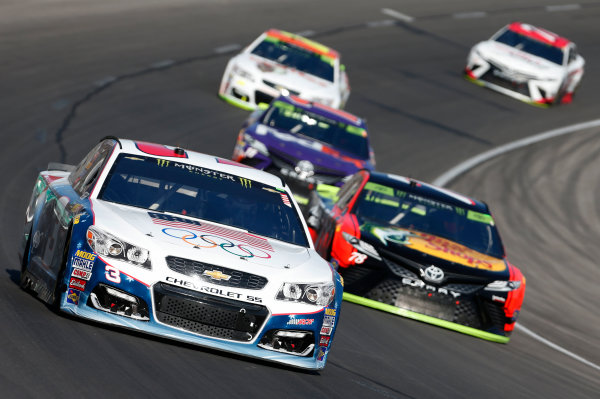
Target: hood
{"x":287,"y":77}
{"x":427,"y":249}
{"x":165,"y":234}
{"x":295,"y":147}
{"x":507,"y":57}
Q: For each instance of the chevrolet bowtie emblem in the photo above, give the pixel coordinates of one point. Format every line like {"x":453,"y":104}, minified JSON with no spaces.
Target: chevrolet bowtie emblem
{"x":216,"y":275}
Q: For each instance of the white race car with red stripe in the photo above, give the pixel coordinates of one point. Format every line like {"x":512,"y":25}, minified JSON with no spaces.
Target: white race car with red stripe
{"x":182,"y":245}
{"x":527,"y":63}
{"x":279,"y":62}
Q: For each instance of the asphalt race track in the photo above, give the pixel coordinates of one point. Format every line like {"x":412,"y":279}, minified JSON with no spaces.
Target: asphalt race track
{"x":73,"y":71}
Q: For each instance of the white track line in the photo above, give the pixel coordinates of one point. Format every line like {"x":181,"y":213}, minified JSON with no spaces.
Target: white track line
{"x":470,"y":163}
{"x":555,"y":347}
{"x":227,"y":48}
{"x":397,"y":14}
{"x":381,"y":24}
{"x":306,"y":33}
{"x":564,"y":7}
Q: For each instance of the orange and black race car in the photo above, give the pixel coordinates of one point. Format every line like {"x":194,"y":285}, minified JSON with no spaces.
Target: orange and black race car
{"x":420,"y":251}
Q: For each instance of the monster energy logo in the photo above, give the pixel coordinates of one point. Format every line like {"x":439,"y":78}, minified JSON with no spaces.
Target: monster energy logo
{"x":246,"y":183}
{"x":162,"y":162}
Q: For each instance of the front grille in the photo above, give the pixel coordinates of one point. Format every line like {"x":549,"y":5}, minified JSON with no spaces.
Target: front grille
{"x":495,"y":311}
{"x":428,"y":302}
{"x":197,"y":269}
{"x":207,"y":314}
{"x":262,"y":97}
{"x":492,"y":77}
{"x":464,"y":288}
{"x":279,"y":87}
{"x":399,"y":270}
{"x":285,"y":160}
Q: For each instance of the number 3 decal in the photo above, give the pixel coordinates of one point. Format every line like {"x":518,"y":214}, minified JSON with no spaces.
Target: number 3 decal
{"x":357,"y":258}
{"x":113,"y":274}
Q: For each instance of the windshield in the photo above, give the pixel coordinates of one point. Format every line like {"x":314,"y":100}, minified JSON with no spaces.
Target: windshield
{"x":296,"y":57}
{"x":345,"y":137}
{"x":391,"y":206}
{"x":171,"y":186}
{"x":531,"y":46}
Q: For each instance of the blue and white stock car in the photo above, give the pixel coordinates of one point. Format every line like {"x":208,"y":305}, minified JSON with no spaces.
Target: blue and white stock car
{"x":181,"y":245}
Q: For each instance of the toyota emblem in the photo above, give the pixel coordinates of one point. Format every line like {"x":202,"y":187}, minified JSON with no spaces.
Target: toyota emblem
{"x":433,"y":274}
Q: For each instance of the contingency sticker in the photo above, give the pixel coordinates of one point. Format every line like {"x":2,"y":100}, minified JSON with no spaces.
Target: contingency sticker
{"x":73,"y":297}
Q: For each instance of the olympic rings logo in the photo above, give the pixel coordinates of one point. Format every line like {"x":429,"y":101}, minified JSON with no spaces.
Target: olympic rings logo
{"x":213,"y":241}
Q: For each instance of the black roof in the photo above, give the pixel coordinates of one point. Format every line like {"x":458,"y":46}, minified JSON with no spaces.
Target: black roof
{"x":429,"y":191}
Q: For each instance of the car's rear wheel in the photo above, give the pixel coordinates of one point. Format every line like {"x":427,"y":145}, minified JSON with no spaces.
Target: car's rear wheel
{"x":59,"y":285}
{"x":25,"y":280}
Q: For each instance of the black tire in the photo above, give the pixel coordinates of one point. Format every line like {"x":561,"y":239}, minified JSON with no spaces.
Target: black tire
{"x":59,"y":286}
{"x":24,"y":280}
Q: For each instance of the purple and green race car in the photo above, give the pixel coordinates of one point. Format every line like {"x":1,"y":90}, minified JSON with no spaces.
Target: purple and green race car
{"x":305,"y":143}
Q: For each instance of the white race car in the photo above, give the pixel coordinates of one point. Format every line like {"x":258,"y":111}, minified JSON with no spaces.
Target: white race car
{"x":280,"y":62}
{"x":527,"y":63}
{"x":182,"y":245}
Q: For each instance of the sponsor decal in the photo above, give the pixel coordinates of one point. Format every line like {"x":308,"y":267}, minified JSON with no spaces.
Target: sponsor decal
{"x":83,"y":260}
{"x":77,"y":284}
{"x":326,"y":330}
{"x":439,"y":247}
{"x":301,"y":322}
{"x":330,"y":312}
{"x":81,"y":274}
{"x":498,"y":298}
{"x":214,"y":291}
{"x":207,"y":235}
{"x":85,"y":255}
{"x":328,"y":321}
{"x":246,"y":183}
{"x":163,"y":162}
{"x":427,"y":287}
{"x":73,"y":297}
{"x":321,"y":353}
{"x":202,"y":171}
{"x":324,"y":341}
{"x":76,"y":219}
{"x":216,"y":275}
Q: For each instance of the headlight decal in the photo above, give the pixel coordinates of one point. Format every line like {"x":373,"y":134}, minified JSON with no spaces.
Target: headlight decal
{"x":319,"y":294}
{"x":106,"y":244}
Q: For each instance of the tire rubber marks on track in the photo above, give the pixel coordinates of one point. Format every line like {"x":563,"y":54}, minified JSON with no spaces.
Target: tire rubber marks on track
{"x":470,"y":163}
{"x":563,"y":7}
{"x":470,"y":14}
{"x":462,"y":15}
{"x":162,"y":64}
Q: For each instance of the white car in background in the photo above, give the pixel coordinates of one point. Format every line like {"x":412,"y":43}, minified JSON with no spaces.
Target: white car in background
{"x":527,"y":63}
{"x":279,"y":62}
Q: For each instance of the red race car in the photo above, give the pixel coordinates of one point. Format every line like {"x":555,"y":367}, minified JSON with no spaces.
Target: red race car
{"x":420,"y":251}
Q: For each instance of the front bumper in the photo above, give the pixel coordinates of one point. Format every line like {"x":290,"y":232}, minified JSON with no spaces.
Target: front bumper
{"x":532,"y":91}
{"x":205,"y":318}
{"x":248,"y":94}
{"x":465,"y":307}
